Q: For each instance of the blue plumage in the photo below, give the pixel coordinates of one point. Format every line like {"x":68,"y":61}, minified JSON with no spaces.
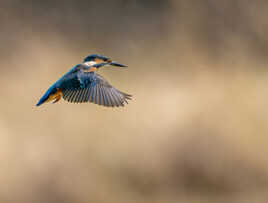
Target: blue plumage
{"x":50,"y":91}
{"x":83,"y":84}
{"x":93,"y":57}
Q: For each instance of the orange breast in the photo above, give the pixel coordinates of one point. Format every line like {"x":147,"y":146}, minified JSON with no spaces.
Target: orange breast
{"x":57,"y":96}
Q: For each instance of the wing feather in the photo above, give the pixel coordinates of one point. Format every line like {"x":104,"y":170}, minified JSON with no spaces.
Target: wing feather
{"x":91,"y":87}
{"x":74,"y":96}
{"x":117,"y":96}
{"x":84,"y":95}
{"x":65,"y":93}
{"x":70,"y":96}
{"x":79,"y":97}
{"x":91,"y":94}
{"x":105,"y":101}
{"x":97,"y":95}
{"x":108,"y":96}
{"x":101,"y":97}
{"x":94,"y":94}
{"x":114,"y":99}
{"x":88,"y":92}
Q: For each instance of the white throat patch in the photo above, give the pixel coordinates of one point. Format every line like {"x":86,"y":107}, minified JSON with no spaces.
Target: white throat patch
{"x":90,"y":63}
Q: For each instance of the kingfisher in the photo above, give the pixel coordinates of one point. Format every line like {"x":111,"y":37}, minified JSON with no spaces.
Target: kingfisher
{"x":82,"y":84}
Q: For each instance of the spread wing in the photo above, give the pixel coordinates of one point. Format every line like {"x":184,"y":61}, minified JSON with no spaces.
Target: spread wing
{"x":91,"y":87}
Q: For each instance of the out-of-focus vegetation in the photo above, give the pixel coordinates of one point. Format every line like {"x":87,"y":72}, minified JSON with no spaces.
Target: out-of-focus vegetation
{"x":196,"y":130}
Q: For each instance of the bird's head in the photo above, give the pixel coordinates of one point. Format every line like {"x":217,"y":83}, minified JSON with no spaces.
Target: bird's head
{"x":95,"y":59}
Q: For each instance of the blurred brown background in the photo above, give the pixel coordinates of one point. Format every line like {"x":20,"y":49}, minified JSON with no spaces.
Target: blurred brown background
{"x":196,"y":130}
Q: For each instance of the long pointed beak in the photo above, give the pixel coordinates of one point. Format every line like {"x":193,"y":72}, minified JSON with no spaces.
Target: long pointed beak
{"x":113,"y":63}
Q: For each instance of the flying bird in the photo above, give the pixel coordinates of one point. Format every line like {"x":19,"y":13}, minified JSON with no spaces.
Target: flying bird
{"x":82,"y":84}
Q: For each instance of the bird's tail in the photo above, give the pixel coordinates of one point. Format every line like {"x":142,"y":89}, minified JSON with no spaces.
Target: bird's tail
{"x":48,"y":96}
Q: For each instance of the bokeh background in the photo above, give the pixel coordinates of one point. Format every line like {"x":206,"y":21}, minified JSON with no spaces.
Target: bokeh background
{"x":195,"y":131}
